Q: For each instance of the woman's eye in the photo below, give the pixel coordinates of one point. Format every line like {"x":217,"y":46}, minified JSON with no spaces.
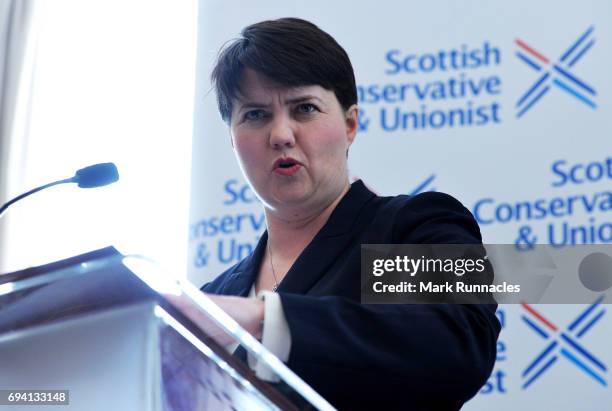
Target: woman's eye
{"x":254,"y":115}
{"x":306,"y":108}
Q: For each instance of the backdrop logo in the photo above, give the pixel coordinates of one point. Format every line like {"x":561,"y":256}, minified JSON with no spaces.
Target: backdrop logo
{"x":564,"y":343}
{"x":556,"y":73}
{"x":425,"y":185}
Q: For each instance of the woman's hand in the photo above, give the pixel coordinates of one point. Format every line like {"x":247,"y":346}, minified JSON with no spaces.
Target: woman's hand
{"x":247,"y":312}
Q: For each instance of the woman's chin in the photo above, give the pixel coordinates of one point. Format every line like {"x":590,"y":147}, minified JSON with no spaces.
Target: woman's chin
{"x":290,"y":196}
{"x":290,"y":199}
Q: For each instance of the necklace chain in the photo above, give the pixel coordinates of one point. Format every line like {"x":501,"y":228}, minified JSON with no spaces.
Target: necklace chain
{"x":272,"y":267}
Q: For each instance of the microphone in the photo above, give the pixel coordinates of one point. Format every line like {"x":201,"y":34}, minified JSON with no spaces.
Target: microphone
{"x":96,"y":175}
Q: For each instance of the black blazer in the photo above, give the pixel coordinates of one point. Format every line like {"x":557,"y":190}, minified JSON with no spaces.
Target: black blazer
{"x":358,"y":356}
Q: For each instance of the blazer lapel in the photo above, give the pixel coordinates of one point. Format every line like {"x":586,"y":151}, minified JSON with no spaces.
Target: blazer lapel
{"x":241,"y":280}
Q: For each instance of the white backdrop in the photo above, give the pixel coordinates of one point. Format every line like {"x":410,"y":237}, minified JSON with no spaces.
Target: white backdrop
{"x":506,"y":106}
{"x":108,"y":85}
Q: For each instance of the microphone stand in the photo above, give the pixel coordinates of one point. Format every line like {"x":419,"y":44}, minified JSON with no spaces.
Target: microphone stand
{"x":19,"y":197}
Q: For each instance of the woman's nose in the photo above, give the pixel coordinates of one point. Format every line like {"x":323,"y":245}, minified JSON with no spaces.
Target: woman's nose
{"x":281,"y":133}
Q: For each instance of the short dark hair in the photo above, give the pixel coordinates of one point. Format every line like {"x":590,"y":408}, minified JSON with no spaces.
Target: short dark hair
{"x":290,"y":52}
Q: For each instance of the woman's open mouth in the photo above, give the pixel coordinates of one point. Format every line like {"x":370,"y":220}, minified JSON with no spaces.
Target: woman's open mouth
{"x":286,"y":166}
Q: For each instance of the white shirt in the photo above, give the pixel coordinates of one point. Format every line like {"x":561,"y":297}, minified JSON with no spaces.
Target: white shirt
{"x":275,"y":334}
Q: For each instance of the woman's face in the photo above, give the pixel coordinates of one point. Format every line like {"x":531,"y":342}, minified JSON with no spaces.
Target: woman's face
{"x":291,"y":144}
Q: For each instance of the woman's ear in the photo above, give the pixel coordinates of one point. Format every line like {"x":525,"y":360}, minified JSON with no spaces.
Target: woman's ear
{"x":352,"y":122}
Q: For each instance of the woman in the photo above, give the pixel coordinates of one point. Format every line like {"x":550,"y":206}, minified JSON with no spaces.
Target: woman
{"x":287,"y":91}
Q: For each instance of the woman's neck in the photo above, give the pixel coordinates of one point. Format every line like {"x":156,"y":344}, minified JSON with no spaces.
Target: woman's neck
{"x":289,"y":237}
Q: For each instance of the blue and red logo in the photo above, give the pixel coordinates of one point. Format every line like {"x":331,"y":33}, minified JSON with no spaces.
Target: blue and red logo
{"x":564,"y":343}
{"x":556,"y":73}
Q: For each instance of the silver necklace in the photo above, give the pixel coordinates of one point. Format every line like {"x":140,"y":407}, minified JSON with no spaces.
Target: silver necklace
{"x":273,"y":271}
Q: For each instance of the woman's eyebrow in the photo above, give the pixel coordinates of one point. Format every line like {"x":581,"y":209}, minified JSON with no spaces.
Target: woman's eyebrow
{"x":293,"y":100}
{"x":251,"y":104}
{"x":301,"y":99}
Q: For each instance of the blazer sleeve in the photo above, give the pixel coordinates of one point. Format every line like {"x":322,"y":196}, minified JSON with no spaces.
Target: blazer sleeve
{"x":408,"y":356}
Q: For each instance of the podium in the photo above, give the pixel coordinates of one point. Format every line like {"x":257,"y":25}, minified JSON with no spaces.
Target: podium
{"x":100,"y":329}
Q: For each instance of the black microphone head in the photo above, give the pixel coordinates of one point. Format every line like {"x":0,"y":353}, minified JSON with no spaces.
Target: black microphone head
{"x":97,"y":175}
